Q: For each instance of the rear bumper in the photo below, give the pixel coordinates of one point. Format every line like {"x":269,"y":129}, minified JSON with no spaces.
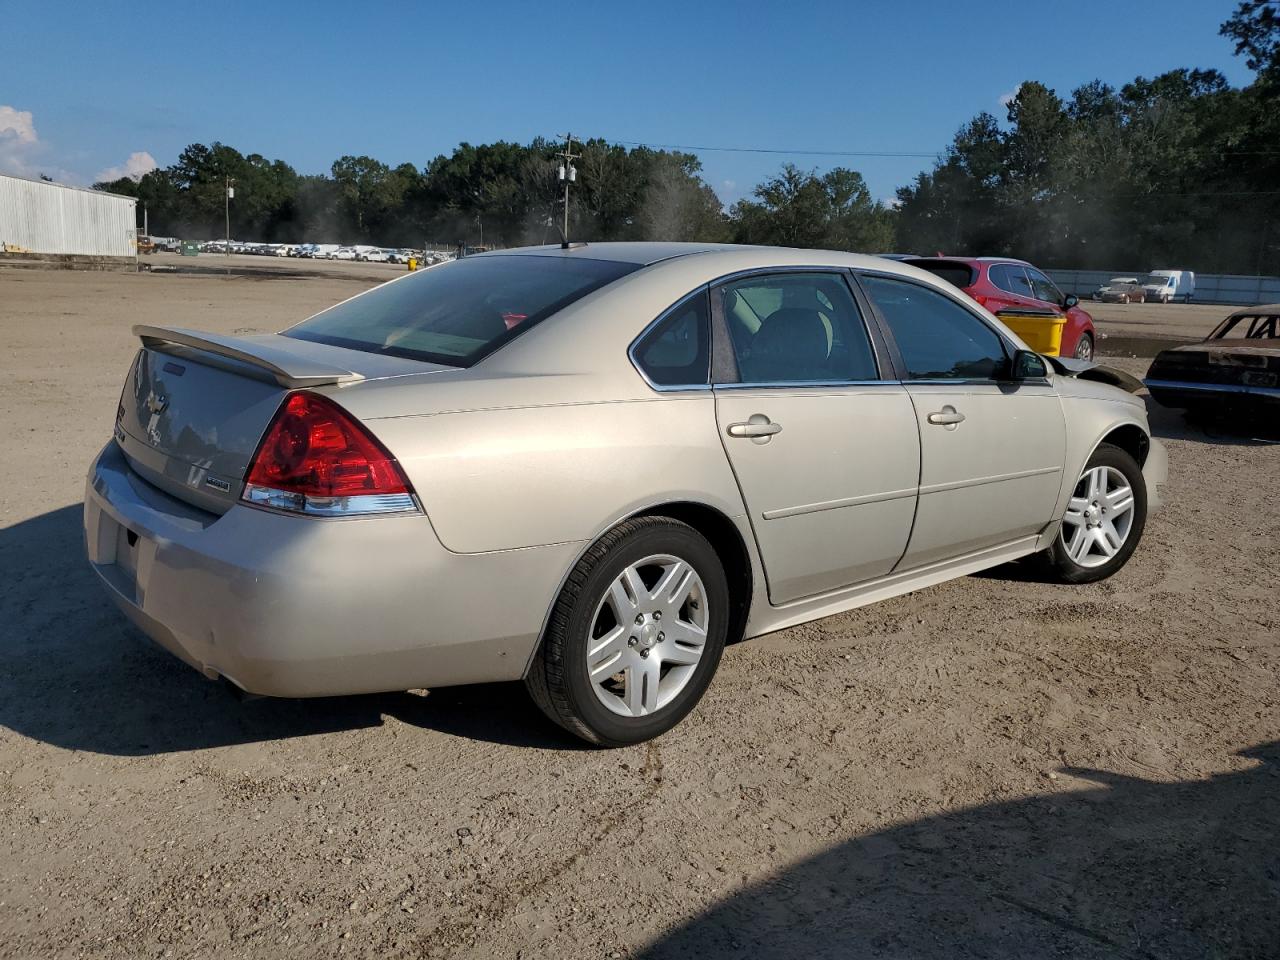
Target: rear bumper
{"x":1188,"y":393}
{"x":299,"y":607}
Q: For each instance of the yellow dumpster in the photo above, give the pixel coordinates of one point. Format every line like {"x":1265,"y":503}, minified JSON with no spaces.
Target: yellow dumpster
{"x":413,"y":263}
{"x":1041,"y":330}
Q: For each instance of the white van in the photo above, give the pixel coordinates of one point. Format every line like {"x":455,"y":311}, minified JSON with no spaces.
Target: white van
{"x":1166,"y":285}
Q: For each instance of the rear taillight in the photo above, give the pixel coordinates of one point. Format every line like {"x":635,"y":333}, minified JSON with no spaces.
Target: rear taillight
{"x":317,"y":459}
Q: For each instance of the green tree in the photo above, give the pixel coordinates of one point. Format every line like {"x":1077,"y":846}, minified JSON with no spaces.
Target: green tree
{"x":798,"y":208}
{"x":1255,"y":28}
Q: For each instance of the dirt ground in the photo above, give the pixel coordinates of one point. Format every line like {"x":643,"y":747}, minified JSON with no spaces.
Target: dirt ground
{"x":993,"y":767}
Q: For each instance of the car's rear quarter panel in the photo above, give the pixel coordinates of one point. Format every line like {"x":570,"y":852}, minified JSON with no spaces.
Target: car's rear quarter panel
{"x":513,"y":478}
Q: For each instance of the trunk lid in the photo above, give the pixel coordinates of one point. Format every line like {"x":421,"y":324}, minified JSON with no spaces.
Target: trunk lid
{"x":195,"y":405}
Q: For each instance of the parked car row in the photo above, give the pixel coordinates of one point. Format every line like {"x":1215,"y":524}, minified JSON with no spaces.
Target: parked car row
{"x":328,"y":251}
{"x":1160,"y":286}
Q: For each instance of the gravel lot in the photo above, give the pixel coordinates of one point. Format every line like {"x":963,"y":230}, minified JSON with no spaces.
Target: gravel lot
{"x":993,"y":767}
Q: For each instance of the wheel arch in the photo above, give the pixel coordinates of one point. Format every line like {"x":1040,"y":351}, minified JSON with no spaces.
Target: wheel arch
{"x":1130,"y":438}
{"x":723,"y":535}
{"x":1096,"y":424}
{"x":727,"y":541}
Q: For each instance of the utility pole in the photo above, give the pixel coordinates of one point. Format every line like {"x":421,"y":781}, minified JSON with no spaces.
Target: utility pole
{"x":226,"y":202}
{"x":568,"y":174}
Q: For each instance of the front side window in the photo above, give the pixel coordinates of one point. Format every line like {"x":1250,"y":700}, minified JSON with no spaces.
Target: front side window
{"x":677,"y":352}
{"x":459,"y":312}
{"x":938,"y":338}
{"x":1042,"y":288}
{"x":1011,"y":278}
{"x":796,"y":327}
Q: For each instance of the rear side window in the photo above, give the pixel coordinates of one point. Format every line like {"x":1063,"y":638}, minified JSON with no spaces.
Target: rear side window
{"x":677,"y":352}
{"x":796,"y":327}
{"x":459,"y":312}
{"x":938,"y":338}
{"x":1011,"y":278}
{"x":953,"y":271}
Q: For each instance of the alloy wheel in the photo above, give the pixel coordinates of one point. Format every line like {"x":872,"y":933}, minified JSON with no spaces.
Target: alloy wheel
{"x":1099,"y":517}
{"x":647,"y":635}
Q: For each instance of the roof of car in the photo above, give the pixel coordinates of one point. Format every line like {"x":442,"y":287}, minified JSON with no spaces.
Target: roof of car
{"x":736,"y":256}
{"x":1267,"y":308}
{"x":971,"y":261}
{"x":642,"y":253}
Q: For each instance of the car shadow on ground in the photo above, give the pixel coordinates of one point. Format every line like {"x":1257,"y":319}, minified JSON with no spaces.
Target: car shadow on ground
{"x":1224,"y":428}
{"x":75,"y":673}
{"x":1103,"y":866}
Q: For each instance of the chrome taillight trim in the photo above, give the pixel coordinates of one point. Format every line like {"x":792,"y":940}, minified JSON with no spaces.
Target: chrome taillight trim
{"x":300,"y":503}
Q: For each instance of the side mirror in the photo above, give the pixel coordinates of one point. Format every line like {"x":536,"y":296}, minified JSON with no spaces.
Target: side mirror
{"x":1027,"y":365}
{"x":1069,"y":301}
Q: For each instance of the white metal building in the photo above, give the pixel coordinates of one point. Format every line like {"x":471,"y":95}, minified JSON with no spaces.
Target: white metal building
{"x":50,"y":218}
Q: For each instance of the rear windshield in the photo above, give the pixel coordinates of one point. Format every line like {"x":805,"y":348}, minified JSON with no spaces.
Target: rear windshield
{"x":459,"y":312}
{"x":953,"y":271}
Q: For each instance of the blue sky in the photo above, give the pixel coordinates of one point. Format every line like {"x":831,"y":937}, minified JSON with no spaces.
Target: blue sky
{"x":84,"y":90}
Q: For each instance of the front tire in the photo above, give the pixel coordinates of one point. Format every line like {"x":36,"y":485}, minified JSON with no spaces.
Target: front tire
{"x":1104,"y":521}
{"x":635,"y":635}
{"x":1084,"y":347}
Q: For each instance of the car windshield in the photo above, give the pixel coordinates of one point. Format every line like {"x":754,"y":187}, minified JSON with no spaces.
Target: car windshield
{"x":459,"y":312}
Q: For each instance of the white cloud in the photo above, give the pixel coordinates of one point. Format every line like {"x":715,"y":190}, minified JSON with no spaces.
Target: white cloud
{"x":139,"y":163}
{"x":18,"y":141}
{"x":17,"y":125}
{"x":1007,"y":98}
{"x":23,"y":153}
{"x":729,"y":185}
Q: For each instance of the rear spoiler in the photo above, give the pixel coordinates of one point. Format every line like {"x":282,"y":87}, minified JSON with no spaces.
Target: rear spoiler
{"x":287,"y":368}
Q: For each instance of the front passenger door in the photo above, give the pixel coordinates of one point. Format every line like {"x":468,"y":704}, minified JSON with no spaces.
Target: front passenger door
{"x":992,"y":450}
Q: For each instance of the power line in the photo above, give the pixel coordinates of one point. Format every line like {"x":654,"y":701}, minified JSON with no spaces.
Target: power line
{"x":806,"y":153}
{"x":858,"y":153}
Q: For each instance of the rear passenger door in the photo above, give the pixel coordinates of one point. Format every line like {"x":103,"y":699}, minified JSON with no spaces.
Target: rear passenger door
{"x":992,"y":450}
{"x":824,"y":447}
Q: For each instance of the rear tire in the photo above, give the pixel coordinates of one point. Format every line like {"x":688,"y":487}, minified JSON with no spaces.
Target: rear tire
{"x":1104,"y":520}
{"x":607,"y":670}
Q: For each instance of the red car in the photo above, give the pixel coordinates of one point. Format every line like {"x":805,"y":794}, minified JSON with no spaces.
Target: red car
{"x":1001,"y":284}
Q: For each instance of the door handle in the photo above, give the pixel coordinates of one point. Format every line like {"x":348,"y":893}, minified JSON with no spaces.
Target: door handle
{"x":947,"y":417}
{"x":758,"y":428}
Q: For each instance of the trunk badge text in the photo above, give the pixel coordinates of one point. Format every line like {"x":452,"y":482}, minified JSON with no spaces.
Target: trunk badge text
{"x":221,"y":485}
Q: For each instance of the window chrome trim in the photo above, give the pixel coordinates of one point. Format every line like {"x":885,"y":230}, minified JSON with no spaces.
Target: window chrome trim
{"x":976,"y":382}
{"x":797,"y":384}
{"x":704,"y":291}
